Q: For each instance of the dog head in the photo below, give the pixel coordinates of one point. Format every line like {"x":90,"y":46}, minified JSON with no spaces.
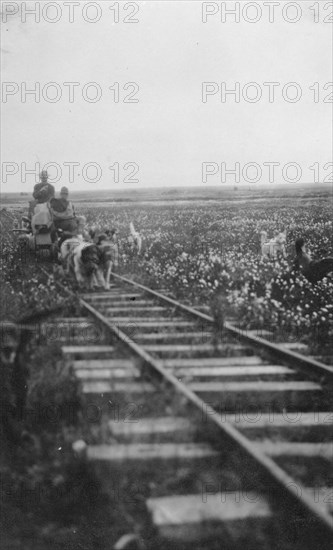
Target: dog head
{"x":281,"y":237}
{"x":105,"y":249}
{"x":91,"y":257}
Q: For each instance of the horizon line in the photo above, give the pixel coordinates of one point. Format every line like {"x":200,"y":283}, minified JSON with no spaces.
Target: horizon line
{"x":214,"y":186}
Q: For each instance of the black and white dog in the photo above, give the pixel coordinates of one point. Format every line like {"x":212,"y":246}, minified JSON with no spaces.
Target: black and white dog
{"x":84,"y":260}
{"x":90,"y":263}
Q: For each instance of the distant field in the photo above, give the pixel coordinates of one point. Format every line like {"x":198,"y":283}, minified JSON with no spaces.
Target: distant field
{"x":164,"y":195}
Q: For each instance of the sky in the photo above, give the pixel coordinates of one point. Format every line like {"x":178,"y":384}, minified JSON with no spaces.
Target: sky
{"x":169,"y":136}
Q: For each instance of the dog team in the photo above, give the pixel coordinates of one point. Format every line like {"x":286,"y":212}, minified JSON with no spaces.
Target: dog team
{"x":91,"y":256}
{"x":88,"y":255}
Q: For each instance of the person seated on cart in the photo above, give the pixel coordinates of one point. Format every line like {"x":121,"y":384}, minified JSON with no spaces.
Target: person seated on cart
{"x":39,"y":209}
{"x":63,"y":212}
{"x":43,"y":192}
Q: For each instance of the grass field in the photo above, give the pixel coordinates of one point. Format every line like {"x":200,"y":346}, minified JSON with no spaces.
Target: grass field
{"x":203,"y":241}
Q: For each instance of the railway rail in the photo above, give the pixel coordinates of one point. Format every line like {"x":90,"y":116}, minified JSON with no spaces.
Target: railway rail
{"x":225,"y":436}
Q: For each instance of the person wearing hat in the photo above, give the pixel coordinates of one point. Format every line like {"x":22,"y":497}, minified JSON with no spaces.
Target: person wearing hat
{"x":43,"y":192}
{"x":64,"y":199}
{"x":39,"y":212}
{"x":63,"y":212}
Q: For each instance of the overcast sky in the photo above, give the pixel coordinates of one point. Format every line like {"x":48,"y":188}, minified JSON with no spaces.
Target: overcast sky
{"x":170,"y":132}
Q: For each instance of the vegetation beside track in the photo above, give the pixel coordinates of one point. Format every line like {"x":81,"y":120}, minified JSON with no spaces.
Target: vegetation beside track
{"x":50,"y":499}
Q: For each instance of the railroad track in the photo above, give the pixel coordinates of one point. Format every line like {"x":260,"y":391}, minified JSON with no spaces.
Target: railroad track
{"x":224,"y":437}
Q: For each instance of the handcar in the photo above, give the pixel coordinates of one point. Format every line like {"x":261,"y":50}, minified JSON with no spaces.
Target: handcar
{"x":38,"y":235}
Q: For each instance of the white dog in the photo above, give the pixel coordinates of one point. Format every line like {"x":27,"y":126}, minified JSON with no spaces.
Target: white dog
{"x":135,"y":240}
{"x":274,"y":247}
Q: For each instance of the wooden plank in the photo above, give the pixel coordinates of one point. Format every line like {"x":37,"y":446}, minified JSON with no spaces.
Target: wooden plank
{"x":294,"y":426}
{"x":70,"y":320}
{"x":195,"y":518}
{"x":215,"y":361}
{"x":150,"y":451}
{"x":233,"y":371}
{"x":292,"y":420}
{"x":180,"y":348}
{"x":75,"y":339}
{"x":127,"y":303}
{"x":104,"y":364}
{"x":180,"y":509}
{"x":153,"y":426}
{"x":86,"y":328}
{"x":135,"y":429}
{"x":151,"y":321}
{"x":106,"y":374}
{"x":87,"y":350}
{"x":255,"y":387}
{"x":101,"y":387}
{"x":135,"y":309}
{"x":281,"y":448}
{"x":242,"y":396}
{"x":118,"y":296}
{"x":172,"y":336}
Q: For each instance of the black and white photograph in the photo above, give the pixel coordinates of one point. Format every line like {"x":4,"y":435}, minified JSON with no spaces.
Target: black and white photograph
{"x":166,"y":275}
